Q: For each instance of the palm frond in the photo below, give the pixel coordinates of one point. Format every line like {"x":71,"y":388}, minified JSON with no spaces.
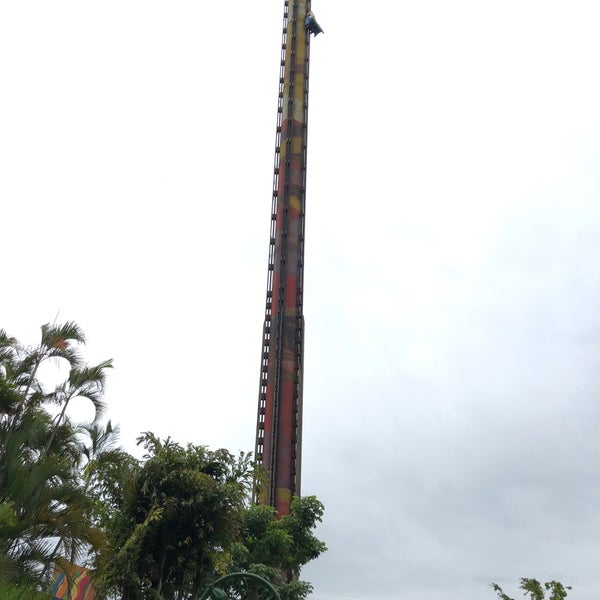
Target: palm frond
{"x":90,"y":374}
{"x":101,"y":439}
{"x":8,"y":347}
{"x":60,"y":341}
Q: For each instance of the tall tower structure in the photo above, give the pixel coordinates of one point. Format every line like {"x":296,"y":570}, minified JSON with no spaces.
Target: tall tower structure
{"x":279,"y":421}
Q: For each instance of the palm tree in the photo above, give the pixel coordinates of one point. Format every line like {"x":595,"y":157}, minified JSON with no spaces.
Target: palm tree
{"x":83,"y":382}
{"x":46,"y":498}
{"x":107,"y":468}
{"x":22,"y":591}
{"x":44,"y":505}
{"x":19,"y":367}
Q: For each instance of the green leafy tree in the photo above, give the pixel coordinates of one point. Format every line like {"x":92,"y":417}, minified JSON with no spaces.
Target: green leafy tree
{"x":183,"y":509}
{"x":108,"y":470}
{"x":536,"y":590}
{"x":278,"y":549}
{"x":20,"y":366}
{"x":44,"y":509}
{"x":162,"y":528}
{"x":82,"y":382}
{"x":186,"y":520}
{"x":23,"y":591}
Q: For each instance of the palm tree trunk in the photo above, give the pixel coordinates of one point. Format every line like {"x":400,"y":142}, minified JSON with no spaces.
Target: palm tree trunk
{"x":163,"y":560}
{"x":55,"y":429}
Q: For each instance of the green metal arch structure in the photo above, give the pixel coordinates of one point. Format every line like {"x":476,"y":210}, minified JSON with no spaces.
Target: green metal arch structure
{"x":215,"y":591}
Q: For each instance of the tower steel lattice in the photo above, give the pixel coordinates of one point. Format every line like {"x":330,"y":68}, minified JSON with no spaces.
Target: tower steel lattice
{"x":279,"y":421}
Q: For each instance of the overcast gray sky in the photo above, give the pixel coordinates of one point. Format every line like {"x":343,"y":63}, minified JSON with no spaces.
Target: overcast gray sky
{"x":452,"y":283}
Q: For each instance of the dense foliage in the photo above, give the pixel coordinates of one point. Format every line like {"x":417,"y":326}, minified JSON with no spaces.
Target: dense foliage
{"x":163,"y":527}
{"x":44,"y":510}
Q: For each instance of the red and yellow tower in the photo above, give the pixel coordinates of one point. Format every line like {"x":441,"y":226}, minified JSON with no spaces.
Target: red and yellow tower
{"x":279,"y":422}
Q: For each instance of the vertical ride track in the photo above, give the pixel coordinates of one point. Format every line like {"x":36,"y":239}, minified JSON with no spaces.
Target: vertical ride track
{"x":279,"y":421}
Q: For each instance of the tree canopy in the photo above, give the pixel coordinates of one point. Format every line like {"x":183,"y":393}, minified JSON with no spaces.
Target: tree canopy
{"x":160,"y":528}
{"x":535,"y":590}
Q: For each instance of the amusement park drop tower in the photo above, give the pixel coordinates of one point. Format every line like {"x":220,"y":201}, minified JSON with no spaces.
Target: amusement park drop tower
{"x":279,"y":420}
